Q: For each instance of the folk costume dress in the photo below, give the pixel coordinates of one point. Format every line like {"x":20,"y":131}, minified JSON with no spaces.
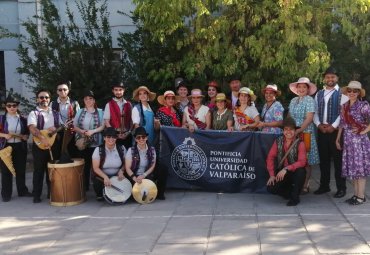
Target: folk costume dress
{"x":271,"y":114}
{"x":244,"y":117}
{"x":298,"y":109}
{"x":15,"y":125}
{"x":356,"y":147}
{"x":197,"y":119}
{"x":169,"y":118}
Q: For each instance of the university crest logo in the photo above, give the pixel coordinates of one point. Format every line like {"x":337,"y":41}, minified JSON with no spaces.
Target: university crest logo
{"x":188,"y":160}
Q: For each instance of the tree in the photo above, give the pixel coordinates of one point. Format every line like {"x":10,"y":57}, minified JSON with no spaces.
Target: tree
{"x":262,"y":41}
{"x":65,"y":50}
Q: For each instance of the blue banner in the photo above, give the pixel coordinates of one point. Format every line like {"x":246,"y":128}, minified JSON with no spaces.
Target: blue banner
{"x":215,"y":160}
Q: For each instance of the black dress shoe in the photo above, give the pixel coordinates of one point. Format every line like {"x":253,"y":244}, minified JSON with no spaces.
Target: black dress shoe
{"x":340,"y":193}
{"x":36,"y":200}
{"x":6,"y":199}
{"x":161,"y":197}
{"x":321,"y":190}
{"x":26,"y":194}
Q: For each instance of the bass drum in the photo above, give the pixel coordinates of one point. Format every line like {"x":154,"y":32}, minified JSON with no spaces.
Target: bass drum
{"x":118,"y":192}
{"x":67,"y":183}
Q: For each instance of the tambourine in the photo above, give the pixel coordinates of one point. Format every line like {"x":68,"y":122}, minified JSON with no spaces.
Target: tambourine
{"x":145,"y":192}
{"x":118,"y":192}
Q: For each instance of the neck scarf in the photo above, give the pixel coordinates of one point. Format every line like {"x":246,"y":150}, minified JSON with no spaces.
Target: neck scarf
{"x":197,"y":122}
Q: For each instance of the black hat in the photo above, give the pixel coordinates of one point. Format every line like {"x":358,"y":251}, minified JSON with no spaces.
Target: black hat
{"x":289,"y":122}
{"x":140,"y":131}
{"x":234,"y":78}
{"x":88,"y":93}
{"x":179,"y":82}
{"x":331,"y":70}
{"x":11,"y":99}
{"x":118,"y":84}
{"x":110,"y":131}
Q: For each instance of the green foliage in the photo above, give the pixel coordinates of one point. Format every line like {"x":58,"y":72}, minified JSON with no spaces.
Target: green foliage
{"x":262,"y":41}
{"x":66,"y":51}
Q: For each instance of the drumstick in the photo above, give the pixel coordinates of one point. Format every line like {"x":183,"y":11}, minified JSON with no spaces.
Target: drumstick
{"x":114,"y":187}
{"x":51,"y":155}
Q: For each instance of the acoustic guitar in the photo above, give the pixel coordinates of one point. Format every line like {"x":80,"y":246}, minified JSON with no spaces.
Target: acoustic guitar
{"x":49,"y":136}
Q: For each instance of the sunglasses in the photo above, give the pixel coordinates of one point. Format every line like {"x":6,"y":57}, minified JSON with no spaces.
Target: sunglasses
{"x":110,"y":137}
{"x":11,"y":105}
{"x":139,"y":137}
{"x":353,"y":90}
{"x":60,"y":90}
{"x":43,"y":97}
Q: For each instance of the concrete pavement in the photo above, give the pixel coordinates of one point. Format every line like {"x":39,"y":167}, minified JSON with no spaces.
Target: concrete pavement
{"x":188,"y":222}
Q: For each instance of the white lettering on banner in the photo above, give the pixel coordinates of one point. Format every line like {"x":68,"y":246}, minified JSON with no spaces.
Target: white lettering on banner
{"x":232,"y":175}
{"x":226,"y":153}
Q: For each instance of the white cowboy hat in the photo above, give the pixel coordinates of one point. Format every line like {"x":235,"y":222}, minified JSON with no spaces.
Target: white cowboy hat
{"x":311,"y":86}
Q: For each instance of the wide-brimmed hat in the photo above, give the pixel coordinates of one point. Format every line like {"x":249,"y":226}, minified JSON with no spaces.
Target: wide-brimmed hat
{"x":330,"y":70}
{"x":140,"y":131}
{"x":195,"y":93}
{"x":118,"y":84}
{"x":169,"y":93}
{"x":151,"y":95}
{"x":289,"y":122}
{"x":220,"y":97}
{"x":11,"y":99}
{"x":354,"y":85}
{"x":271,"y":87}
{"x":110,"y":131}
{"x":312,"y":87}
{"x":245,"y":90}
{"x":88,"y":93}
{"x":234,"y":78}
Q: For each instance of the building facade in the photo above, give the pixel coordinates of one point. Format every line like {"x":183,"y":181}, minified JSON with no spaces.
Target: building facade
{"x":14,"y":12}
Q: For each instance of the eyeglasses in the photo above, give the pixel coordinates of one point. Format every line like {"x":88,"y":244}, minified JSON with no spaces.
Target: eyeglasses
{"x":11,"y":105}
{"x":139,"y":137}
{"x":43,"y":97}
{"x":60,"y":90}
{"x":110,"y":137}
{"x":353,"y":90}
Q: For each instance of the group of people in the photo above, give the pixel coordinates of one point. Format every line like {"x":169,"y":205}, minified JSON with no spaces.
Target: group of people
{"x":122,"y":139}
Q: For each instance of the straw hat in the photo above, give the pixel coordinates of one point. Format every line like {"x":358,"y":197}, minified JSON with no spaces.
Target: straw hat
{"x":151,"y":95}
{"x":195,"y":93}
{"x":272,"y":87}
{"x":245,"y":90}
{"x":168,"y":93}
{"x":354,"y":85}
{"x":312,"y":87}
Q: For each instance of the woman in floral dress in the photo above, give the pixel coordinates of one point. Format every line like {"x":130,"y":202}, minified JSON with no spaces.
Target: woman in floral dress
{"x":354,"y":126}
{"x":272,"y":111}
{"x":302,"y":109}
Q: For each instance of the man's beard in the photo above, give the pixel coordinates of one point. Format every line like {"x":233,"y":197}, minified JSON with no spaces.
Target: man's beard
{"x":118,"y":96}
{"x":43,"y":103}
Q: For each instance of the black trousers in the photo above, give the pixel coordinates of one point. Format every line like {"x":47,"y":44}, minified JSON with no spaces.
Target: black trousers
{"x":127,"y":142}
{"x":40,"y":165}
{"x":290,"y":186}
{"x":87,"y":156}
{"x":19,"y":158}
{"x":328,"y":151}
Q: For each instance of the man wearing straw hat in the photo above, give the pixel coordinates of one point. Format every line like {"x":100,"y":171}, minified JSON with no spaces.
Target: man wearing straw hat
{"x":326,"y":118}
{"x":42,"y":118}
